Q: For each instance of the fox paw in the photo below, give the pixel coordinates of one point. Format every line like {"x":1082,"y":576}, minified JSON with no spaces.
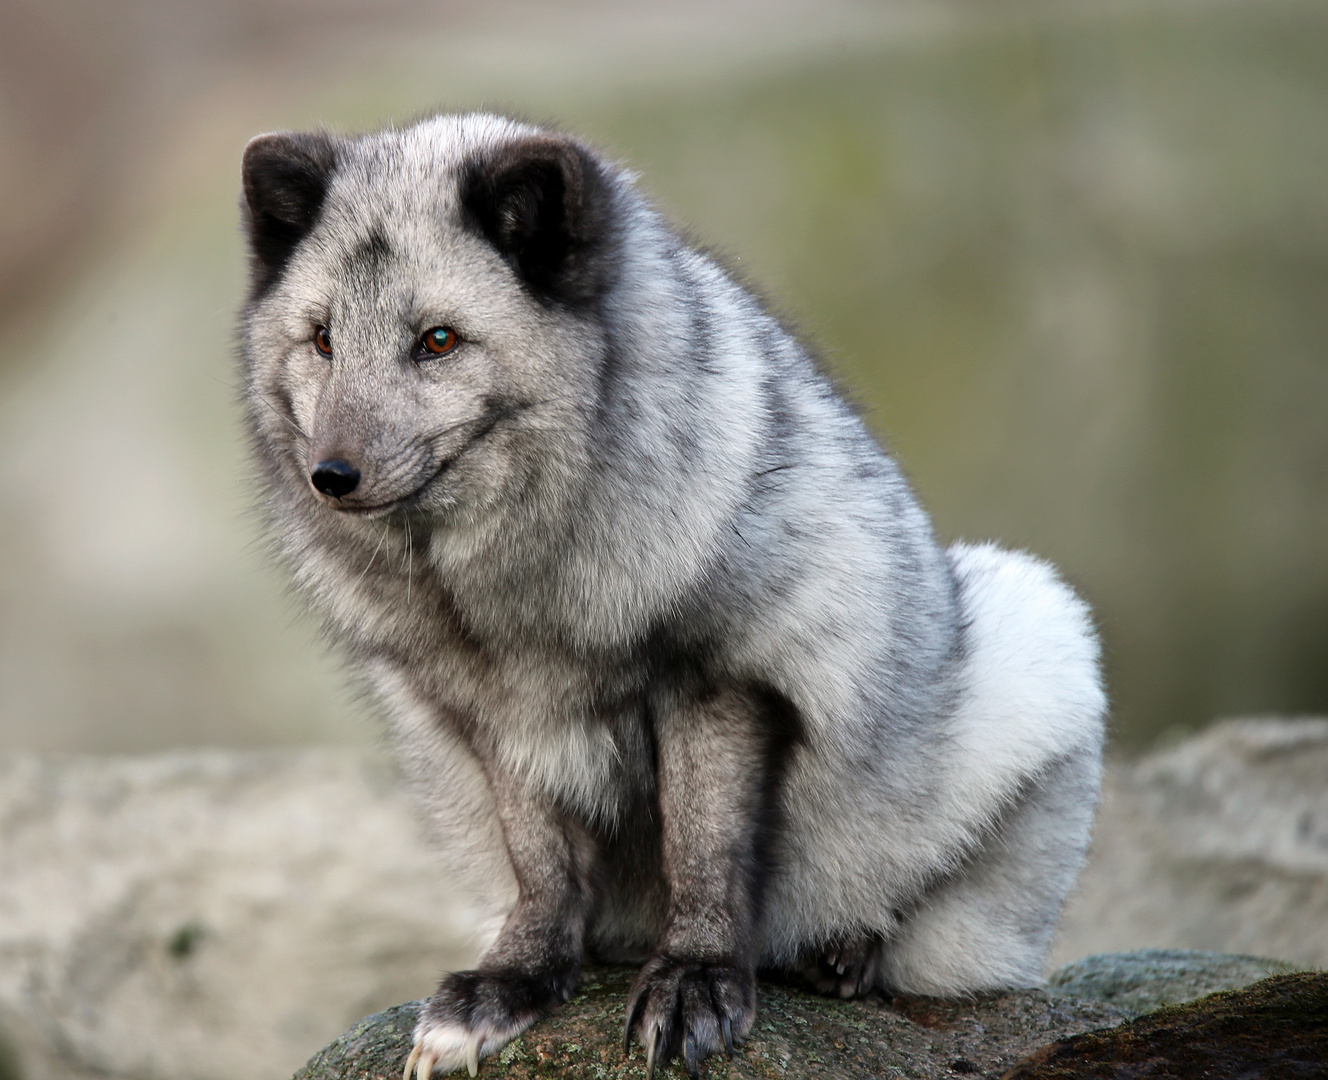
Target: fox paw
{"x":690,"y":1008}
{"x":847,"y":969}
{"x":475,"y":1013}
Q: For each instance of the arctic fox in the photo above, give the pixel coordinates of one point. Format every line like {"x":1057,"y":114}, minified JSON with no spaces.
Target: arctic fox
{"x":666,"y":642}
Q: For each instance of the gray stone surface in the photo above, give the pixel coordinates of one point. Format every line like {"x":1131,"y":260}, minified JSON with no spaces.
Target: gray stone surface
{"x":797,"y":1034}
{"x":1146,"y":979}
{"x":210,"y":915}
{"x":1219,"y":842}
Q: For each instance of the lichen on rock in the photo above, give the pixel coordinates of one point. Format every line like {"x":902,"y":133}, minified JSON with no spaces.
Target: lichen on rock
{"x":1088,"y":1006}
{"x":797,"y":1034}
{"x":1146,"y":979}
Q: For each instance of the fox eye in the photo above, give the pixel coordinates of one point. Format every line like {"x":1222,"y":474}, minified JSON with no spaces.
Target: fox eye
{"x":323,"y":340}
{"x":437,"y":342}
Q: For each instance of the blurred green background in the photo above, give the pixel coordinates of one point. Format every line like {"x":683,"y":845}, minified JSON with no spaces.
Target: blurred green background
{"x":1070,"y":258}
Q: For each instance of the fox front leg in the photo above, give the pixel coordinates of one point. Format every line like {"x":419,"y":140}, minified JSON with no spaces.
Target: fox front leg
{"x":718,"y":762}
{"x":533,"y":965}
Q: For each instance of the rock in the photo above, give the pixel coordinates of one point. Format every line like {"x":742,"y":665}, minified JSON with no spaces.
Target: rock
{"x":1146,"y":979}
{"x":797,"y":1034}
{"x":1275,"y":1028}
{"x":142,"y":900}
{"x":210,"y":915}
{"x":1219,"y":843}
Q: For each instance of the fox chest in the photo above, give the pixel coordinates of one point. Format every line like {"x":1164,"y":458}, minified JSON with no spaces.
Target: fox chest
{"x":536,"y":715}
{"x":574,"y":731}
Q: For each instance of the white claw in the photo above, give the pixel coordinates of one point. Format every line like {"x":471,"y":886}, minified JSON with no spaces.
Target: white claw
{"x":651,"y":1048}
{"x":410,"y":1061}
{"x":449,"y":1046}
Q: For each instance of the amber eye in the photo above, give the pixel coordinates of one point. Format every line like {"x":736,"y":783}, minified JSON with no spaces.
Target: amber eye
{"x":323,"y":340}
{"x":439,"y":340}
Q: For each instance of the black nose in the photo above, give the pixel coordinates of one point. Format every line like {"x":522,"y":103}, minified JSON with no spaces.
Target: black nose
{"x":335,"y":477}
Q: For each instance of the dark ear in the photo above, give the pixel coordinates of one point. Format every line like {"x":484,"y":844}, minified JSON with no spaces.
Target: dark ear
{"x":285,"y":180}
{"x":543,"y":203}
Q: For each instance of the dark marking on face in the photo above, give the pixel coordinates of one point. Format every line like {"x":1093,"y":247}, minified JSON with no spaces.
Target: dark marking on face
{"x":371,"y":255}
{"x":283,"y":402}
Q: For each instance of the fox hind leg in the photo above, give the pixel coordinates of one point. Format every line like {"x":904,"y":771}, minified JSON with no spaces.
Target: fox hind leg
{"x":845,"y":968}
{"x":990,"y":925}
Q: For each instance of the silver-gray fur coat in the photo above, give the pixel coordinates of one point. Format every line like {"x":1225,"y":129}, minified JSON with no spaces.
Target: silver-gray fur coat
{"x":666,"y":642}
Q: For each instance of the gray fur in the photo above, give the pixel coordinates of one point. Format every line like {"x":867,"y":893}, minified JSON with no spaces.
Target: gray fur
{"x":666,"y":641}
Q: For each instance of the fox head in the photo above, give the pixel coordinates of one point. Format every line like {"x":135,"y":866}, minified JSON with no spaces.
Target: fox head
{"x":473,"y":343}
{"x":421,"y":331}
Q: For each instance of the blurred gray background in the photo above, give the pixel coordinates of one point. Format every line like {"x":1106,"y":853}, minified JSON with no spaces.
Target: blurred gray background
{"x":1071,"y":258}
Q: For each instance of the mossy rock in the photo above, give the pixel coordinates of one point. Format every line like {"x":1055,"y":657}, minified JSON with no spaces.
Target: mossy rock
{"x":797,"y":1034}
